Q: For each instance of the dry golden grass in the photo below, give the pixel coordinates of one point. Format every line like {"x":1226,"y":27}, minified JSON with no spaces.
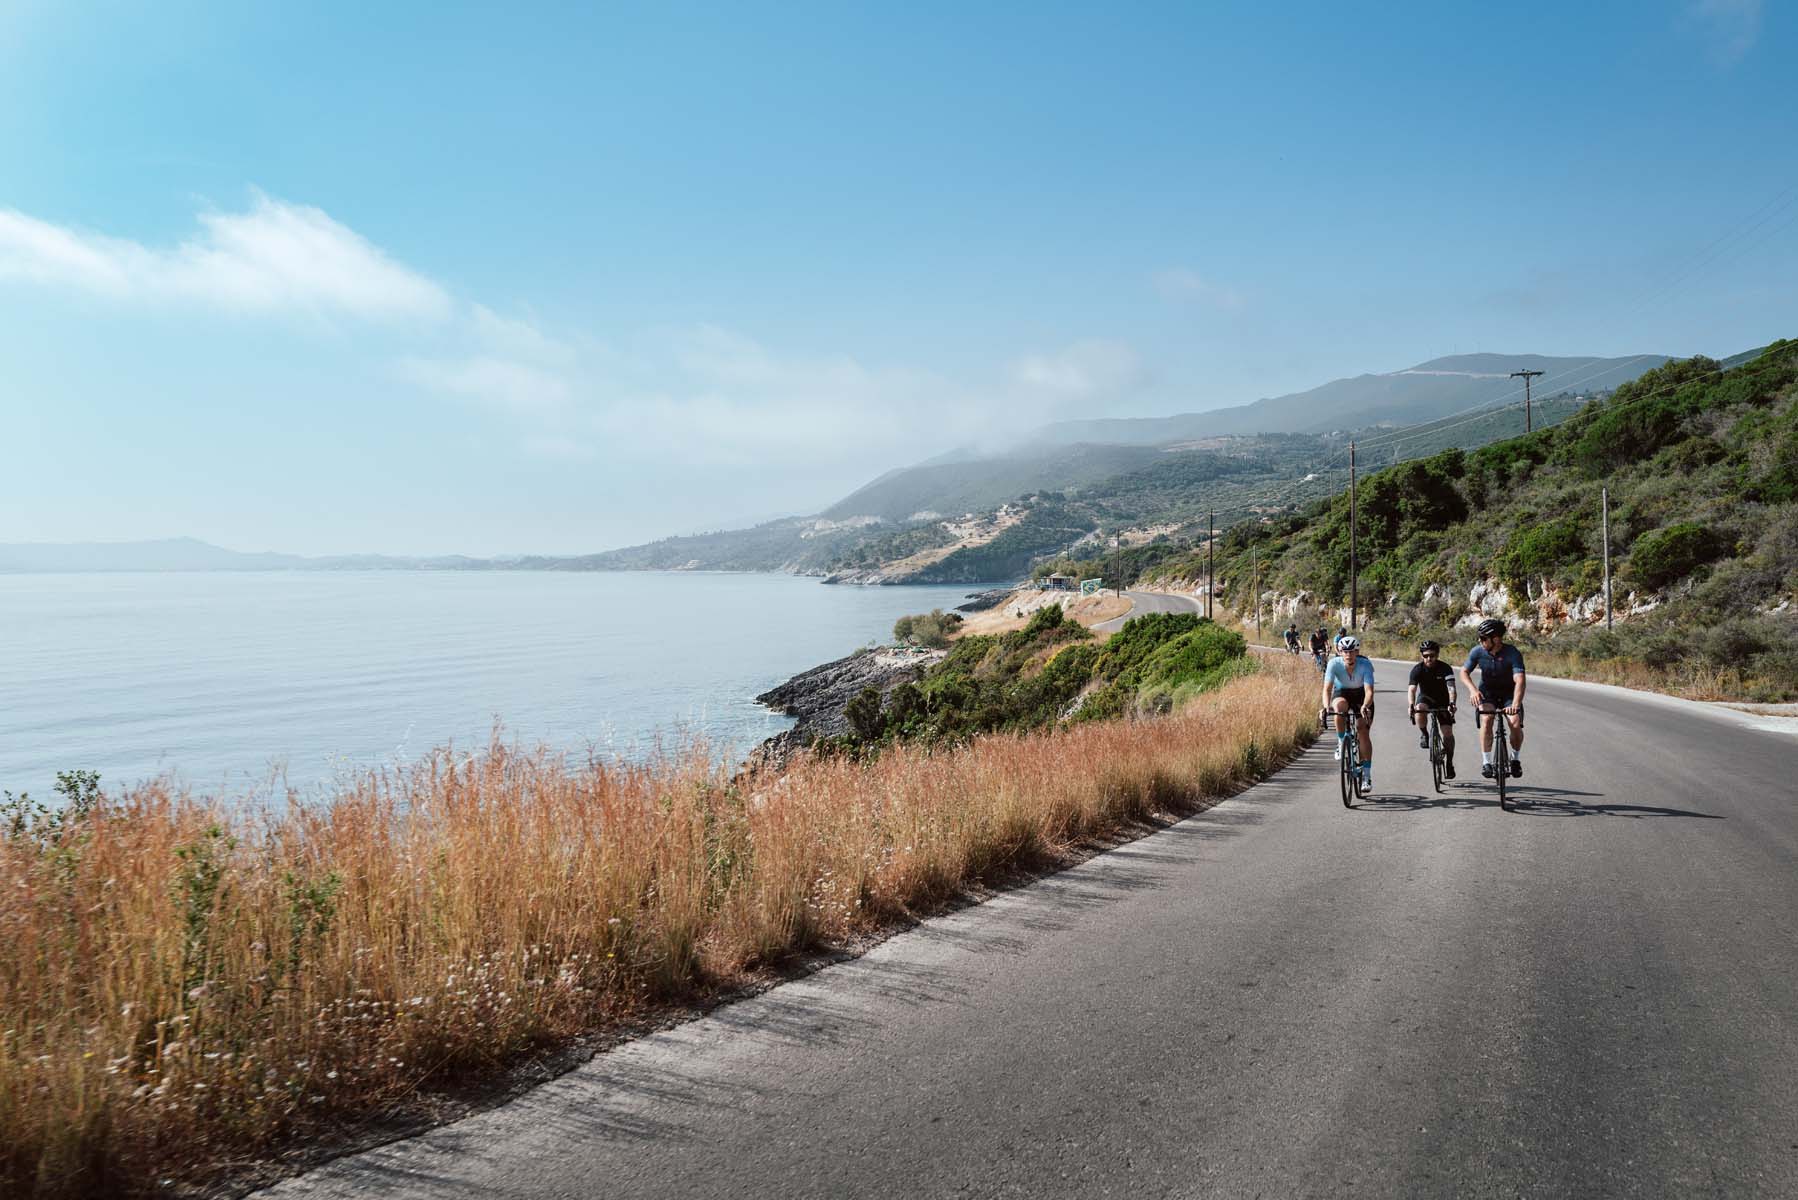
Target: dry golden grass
{"x":1004,"y":618}
{"x":181,"y":983}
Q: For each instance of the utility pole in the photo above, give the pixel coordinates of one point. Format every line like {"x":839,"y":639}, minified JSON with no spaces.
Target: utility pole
{"x":1257,"y":595}
{"x":1354,"y":562}
{"x":1210,"y":551}
{"x":1526,"y":376}
{"x":1604,"y":518}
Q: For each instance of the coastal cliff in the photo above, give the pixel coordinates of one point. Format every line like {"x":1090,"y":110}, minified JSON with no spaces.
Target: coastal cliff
{"x":816,"y":697}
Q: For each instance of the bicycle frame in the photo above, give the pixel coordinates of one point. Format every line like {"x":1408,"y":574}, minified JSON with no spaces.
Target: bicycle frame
{"x":1352,"y":788}
{"x":1501,"y":748}
{"x":1438,"y":752}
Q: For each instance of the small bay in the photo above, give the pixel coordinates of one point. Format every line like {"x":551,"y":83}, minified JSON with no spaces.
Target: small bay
{"x":226,"y":678}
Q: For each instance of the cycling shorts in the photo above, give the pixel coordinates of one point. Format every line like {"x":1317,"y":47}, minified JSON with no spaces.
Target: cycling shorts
{"x":1443,"y":715}
{"x":1356,"y":696}
{"x":1504,"y":701}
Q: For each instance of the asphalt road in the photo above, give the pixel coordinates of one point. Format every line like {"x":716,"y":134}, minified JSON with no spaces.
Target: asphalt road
{"x":1148,"y":602}
{"x":1594,"y":996}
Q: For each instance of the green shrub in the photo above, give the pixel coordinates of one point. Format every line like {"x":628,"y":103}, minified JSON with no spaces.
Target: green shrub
{"x":1191,"y":656}
{"x":863,"y":713}
{"x":1661,"y":556}
{"x":1552,"y":550}
{"x":1049,"y":616}
{"x":931,"y":629}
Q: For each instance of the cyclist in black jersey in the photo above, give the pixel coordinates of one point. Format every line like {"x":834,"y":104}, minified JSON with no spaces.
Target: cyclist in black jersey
{"x":1433,"y":686}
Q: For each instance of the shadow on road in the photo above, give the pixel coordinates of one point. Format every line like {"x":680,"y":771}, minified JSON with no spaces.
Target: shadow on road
{"x":1526,"y":800}
{"x":1409,"y":802}
{"x":1555,"y":802}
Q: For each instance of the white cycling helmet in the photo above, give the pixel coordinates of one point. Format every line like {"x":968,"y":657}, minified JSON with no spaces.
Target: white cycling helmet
{"x":1350,"y":643}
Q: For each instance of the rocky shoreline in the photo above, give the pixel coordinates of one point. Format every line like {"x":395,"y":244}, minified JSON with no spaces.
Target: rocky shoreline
{"x":982,"y":601}
{"x":816,"y":697}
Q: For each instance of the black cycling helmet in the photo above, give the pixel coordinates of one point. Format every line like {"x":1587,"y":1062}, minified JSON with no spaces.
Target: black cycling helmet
{"x":1492,"y":627}
{"x":1427,"y":644}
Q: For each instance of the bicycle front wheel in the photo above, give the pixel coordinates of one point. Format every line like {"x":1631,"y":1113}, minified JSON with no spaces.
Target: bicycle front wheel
{"x":1435,"y":753}
{"x":1351,"y":773}
{"x":1501,"y":762}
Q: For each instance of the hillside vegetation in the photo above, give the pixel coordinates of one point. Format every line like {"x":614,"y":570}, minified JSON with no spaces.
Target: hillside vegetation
{"x":1702,"y":467}
{"x":1079,"y":484}
{"x":1050,"y":672}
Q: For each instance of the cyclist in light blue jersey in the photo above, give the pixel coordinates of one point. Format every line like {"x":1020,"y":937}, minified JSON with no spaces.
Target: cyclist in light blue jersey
{"x":1348,"y":683}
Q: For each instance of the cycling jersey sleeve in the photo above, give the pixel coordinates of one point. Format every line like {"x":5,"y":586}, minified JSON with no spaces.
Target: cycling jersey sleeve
{"x":1516,"y":657}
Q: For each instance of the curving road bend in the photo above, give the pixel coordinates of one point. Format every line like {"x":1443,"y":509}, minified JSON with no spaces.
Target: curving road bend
{"x":1594,"y":996}
{"x":1147,"y":602}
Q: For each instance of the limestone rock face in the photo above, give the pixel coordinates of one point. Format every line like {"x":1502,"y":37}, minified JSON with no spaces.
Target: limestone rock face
{"x":1543,"y":607}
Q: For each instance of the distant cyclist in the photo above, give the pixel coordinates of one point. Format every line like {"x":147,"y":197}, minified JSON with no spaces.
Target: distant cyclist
{"x":1292,"y":637}
{"x":1320,"y":641}
{"x":1348,"y":683}
{"x":1433,"y":686}
{"x":1502,"y":681}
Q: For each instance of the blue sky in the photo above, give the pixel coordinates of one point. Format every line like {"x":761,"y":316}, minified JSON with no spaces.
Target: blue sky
{"x":528,"y":278}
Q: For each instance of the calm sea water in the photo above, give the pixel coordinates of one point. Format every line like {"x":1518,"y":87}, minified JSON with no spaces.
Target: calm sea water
{"x":223,"y":679}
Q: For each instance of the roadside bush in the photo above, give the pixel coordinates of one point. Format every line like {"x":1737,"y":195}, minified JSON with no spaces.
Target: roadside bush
{"x":1661,"y":556}
{"x":1735,"y":642}
{"x":1774,"y":673}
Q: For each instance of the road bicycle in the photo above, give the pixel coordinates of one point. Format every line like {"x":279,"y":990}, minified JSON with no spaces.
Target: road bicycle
{"x":1501,"y":752}
{"x":1438,"y":756}
{"x":1353,"y":786}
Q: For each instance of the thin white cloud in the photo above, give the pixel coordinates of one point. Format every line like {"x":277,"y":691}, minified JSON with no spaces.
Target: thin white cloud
{"x":711,"y":397}
{"x":516,"y":337}
{"x":1188,"y":286}
{"x":1096,"y":370}
{"x":275,"y":257}
{"x":1731,"y":26}
{"x":504,"y":384}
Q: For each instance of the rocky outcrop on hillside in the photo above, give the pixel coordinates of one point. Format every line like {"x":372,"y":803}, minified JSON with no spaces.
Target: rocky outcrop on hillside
{"x":817,"y":697}
{"x":1543,"y":608}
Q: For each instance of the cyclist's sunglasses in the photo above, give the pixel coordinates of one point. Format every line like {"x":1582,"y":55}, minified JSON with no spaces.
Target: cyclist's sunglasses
{"x":1428,"y":653}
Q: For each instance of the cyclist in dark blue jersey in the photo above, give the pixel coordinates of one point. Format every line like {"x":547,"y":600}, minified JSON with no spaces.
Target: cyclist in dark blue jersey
{"x":1501,"y":687}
